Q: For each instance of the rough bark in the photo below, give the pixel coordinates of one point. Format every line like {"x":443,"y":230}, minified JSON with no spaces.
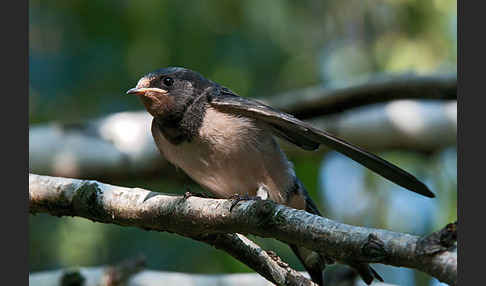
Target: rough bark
{"x":198,"y":217}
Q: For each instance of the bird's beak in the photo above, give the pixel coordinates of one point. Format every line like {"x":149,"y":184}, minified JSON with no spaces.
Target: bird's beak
{"x":143,"y":90}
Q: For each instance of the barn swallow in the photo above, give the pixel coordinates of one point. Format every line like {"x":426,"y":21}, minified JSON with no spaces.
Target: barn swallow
{"x":226,"y":144}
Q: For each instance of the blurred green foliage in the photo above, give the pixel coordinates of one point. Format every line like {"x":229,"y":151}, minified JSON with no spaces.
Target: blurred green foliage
{"x":83,"y":56}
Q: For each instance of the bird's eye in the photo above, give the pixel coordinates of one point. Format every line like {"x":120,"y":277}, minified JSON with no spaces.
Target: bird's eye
{"x":168,"y":81}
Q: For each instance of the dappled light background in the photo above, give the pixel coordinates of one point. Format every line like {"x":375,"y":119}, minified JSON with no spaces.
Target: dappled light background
{"x":84,"y":55}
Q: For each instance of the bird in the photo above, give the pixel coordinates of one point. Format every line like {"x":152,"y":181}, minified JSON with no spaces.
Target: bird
{"x":227,"y":144}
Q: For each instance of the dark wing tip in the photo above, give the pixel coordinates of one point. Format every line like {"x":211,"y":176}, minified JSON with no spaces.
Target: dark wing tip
{"x":426,"y":192}
{"x":411,"y":183}
{"x":376,"y":275}
{"x":417,"y":186}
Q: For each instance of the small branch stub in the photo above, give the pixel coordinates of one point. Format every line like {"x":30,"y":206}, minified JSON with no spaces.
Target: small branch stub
{"x":374,"y":248}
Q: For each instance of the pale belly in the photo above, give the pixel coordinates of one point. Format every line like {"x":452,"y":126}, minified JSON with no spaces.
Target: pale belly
{"x":232,"y":160}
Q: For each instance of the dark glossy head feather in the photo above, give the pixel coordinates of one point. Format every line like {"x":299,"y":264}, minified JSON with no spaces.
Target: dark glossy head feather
{"x":181,"y":74}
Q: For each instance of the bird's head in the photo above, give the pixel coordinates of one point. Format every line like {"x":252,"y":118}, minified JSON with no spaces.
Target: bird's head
{"x":168,"y":92}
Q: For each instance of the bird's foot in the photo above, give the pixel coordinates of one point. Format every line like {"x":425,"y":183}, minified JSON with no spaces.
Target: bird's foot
{"x":238,"y":198}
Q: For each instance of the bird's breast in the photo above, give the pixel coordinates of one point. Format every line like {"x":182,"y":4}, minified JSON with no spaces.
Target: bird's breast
{"x":230,"y":155}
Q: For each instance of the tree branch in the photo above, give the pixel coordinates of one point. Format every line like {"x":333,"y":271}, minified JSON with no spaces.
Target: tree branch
{"x":193,"y":217}
{"x":94,"y":276}
{"x":117,"y":145}
{"x":266,"y":263}
{"x":111,"y":204}
{"x":317,"y":101}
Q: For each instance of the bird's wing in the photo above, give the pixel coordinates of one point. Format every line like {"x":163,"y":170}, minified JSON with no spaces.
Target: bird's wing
{"x":307,"y":137}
